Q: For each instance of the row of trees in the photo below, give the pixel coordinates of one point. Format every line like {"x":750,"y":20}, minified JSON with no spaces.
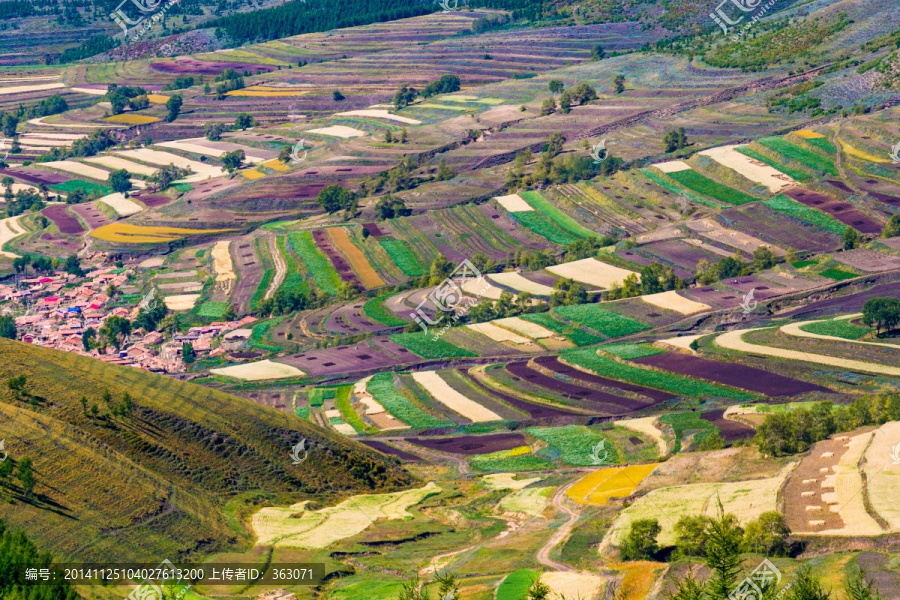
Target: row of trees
{"x":787,"y":433}
{"x":734,"y":266}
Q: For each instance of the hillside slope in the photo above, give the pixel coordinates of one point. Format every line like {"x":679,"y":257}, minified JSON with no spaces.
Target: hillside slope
{"x":156,"y":482}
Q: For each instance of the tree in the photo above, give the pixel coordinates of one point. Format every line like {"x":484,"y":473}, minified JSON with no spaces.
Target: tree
{"x":9,"y":124}
{"x":233,"y":160}
{"x":284,"y":155}
{"x":676,"y":139}
{"x":806,"y":586}
{"x":691,"y":534}
{"x":334,"y":197}
{"x":619,"y":83}
{"x":229,"y":314}
{"x":764,"y":258}
{"x":538,"y":590}
{"x":389,"y":206}
{"x":851,"y":238}
{"x":187,"y":353}
{"x":723,"y":553}
{"x":337,"y":96}
{"x":444,"y":172}
{"x":114,"y":330}
{"x":892,"y":227}
{"x":565,"y":102}
{"x":87,"y":338}
{"x":173,"y":105}
{"x":7,"y":327}
{"x":404,"y":96}
{"x":767,"y":534}
{"x":244,"y":121}
{"x":555,"y":143}
{"x":584,"y":93}
{"x":881,"y":313}
{"x":598,"y":53}
{"x":640,"y":543}
{"x":447,"y":84}
{"x":857,"y":588}
{"x":213,"y":131}
{"x":555,"y":86}
{"x":6,"y":471}
{"x":548,"y":107}
{"x":120,"y":181}
{"x":25,"y":475}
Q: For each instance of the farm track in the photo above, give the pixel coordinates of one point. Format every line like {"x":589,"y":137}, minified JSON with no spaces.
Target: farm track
{"x":280,"y":267}
{"x":558,"y":502}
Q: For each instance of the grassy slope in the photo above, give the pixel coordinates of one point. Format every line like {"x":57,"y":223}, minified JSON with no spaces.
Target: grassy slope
{"x":156,"y":483}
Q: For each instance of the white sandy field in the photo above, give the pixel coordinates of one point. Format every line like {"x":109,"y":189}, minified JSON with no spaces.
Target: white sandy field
{"x":446,"y":395}
{"x":498,"y":334}
{"x":523,"y":327}
{"x":23,"y":89}
{"x":671,"y":300}
{"x":114,"y":162}
{"x":736,"y":239}
{"x":296,"y":527}
{"x":514,"y":203}
{"x":72,"y":166}
{"x":794,"y":329}
{"x":683,"y":342}
{"x":156,"y":157}
{"x":520,"y":284}
{"x":733,"y":340}
{"x":222,"y":264}
{"x":181,"y":302}
{"x":260,"y":370}
{"x":9,"y":230}
{"x":122,"y":205}
{"x":673,"y":166}
{"x":754,"y":170}
{"x":341,"y":131}
{"x":190,"y":145}
{"x":592,"y":272}
{"x":507,"y":481}
{"x":378,"y":114}
{"x":567,"y":584}
{"x":481,"y":288}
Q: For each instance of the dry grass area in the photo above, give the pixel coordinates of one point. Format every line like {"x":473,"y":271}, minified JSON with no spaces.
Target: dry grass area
{"x":146,"y":234}
{"x":223,"y":265}
{"x":673,"y":166}
{"x":498,"y":334}
{"x":523,"y":327}
{"x":81,"y":169}
{"x":296,"y":527}
{"x":181,"y":301}
{"x":847,"y":498}
{"x":378,"y":114}
{"x":114,"y":162}
{"x":341,"y":131}
{"x":259,"y":371}
{"x":582,"y":586}
{"x":506,"y":481}
{"x":513,"y":203}
{"x":754,"y":170}
{"x":357,"y":258}
{"x":132,"y":119}
{"x":882,"y":468}
{"x":521,"y":284}
{"x":122,"y":205}
{"x":602,"y":485}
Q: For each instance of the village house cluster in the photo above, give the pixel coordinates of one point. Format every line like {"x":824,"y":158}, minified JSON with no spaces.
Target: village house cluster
{"x":59,"y":308}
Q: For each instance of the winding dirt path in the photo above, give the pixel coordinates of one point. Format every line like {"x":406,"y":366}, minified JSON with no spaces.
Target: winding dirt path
{"x":558,"y":502}
{"x":733,"y":340}
{"x":794,"y":330}
{"x":280,"y":267}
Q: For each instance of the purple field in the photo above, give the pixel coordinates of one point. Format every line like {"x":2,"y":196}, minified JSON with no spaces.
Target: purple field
{"x":748,"y":378}
{"x":845,"y":304}
{"x":552,"y":363}
{"x":731,"y":431}
{"x":535,"y":411}
{"x":63,"y":220}
{"x":608,"y":403}
{"x":842,"y":211}
{"x":472,"y":444}
{"x":390,"y":450}
{"x":762,"y":222}
{"x":677,"y":253}
{"x":372,"y":354}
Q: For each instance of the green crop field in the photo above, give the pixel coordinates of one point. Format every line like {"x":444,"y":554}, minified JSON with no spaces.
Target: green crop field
{"x":86,"y":186}
{"x":375,"y":310}
{"x":677,"y":384}
{"x":677,"y":190}
{"x":576,"y":444}
{"x":842,"y":328}
{"x":576,"y":335}
{"x":317,"y":396}
{"x":793,"y":173}
{"x":212,"y":310}
{"x":382,"y":388}
{"x":541,"y":225}
{"x":687,"y":423}
{"x":514,"y":464}
{"x":564,"y":221}
{"x":422,"y":344}
{"x":515,"y":585}
{"x":822,"y":143}
{"x":792,"y":208}
{"x":321,"y":269}
{"x":631,"y":351}
{"x":801,"y":155}
{"x":403,"y":257}
{"x":343,"y":404}
{"x":703,"y":185}
{"x":598,"y":319}
{"x":804,"y":263}
{"x":838,"y":274}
